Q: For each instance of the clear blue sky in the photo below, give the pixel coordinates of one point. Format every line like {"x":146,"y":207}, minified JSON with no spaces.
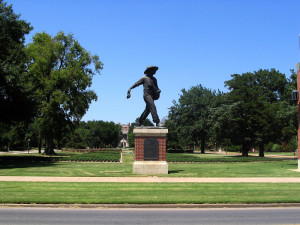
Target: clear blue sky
{"x":191,"y":41}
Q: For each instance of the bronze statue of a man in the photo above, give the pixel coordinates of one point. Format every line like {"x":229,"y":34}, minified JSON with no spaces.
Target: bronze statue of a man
{"x":151,"y":93}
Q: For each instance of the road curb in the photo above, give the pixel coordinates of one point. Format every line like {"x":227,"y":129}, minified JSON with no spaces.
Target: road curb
{"x":149,"y":206}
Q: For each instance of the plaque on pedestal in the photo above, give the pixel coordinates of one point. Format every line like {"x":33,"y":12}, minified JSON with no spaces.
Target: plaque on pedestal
{"x":150,"y":150}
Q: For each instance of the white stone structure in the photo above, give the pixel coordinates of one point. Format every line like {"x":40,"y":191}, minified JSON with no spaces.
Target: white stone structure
{"x":125,"y":130}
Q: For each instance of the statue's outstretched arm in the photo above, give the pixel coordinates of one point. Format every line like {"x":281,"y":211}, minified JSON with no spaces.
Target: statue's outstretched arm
{"x":138,"y":83}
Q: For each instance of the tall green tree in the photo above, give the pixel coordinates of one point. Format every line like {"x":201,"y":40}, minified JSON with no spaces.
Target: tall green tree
{"x":190,"y":116}
{"x":15,"y":101}
{"x":61,"y":72}
{"x":255,"y":99}
{"x":286,"y":113}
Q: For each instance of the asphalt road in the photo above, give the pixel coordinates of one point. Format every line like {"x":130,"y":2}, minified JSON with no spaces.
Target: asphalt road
{"x":32,"y":216}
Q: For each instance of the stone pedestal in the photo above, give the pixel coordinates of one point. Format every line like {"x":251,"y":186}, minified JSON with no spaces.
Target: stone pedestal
{"x":150,"y":150}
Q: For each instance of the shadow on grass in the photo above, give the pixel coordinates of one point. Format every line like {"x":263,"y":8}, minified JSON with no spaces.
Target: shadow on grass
{"x":292,"y":164}
{"x":7,"y":162}
{"x":25,"y":165}
{"x":175,"y":171}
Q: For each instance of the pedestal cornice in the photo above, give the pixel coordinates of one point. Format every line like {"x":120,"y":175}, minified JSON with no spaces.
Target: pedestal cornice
{"x":150,"y":131}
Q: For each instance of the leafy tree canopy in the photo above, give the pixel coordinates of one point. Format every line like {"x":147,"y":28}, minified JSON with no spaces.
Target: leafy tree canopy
{"x":60,"y":72}
{"x":190,"y":116}
{"x":254,"y":101}
{"x":15,"y":101}
{"x":99,"y":134}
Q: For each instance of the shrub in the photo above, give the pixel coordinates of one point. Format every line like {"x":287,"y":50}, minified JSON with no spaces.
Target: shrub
{"x":292,"y":145}
{"x":276,"y":148}
{"x":268,"y":147}
{"x":100,"y":156}
{"x":233,"y":148}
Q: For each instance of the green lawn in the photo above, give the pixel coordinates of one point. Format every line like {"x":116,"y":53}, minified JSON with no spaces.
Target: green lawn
{"x":85,"y":169}
{"x":282,"y":153}
{"x":148,"y":193}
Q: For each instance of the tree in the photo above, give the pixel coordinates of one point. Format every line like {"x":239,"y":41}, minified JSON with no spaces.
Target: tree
{"x":190,"y":117}
{"x":227,"y":125}
{"x":15,"y":101}
{"x":286,"y":115}
{"x":13,"y":136}
{"x":60,"y":72}
{"x":255,"y":99}
{"x":76,"y":141}
{"x":96,"y":134}
{"x":34,"y":134}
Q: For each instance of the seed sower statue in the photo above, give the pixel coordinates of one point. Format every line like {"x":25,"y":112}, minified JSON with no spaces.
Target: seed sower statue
{"x":151,"y":93}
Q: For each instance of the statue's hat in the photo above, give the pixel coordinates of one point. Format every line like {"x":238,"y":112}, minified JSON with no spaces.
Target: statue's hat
{"x":149,"y":68}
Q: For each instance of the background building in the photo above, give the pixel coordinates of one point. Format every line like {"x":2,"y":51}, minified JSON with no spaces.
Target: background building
{"x":125,"y":130}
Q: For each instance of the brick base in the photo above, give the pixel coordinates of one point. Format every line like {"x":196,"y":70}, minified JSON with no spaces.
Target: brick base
{"x":142,"y":166}
{"x":139,"y":148}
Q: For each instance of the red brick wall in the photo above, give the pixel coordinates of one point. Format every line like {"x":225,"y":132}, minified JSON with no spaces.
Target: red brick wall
{"x":139,"y":148}
{"x":298,"y":103}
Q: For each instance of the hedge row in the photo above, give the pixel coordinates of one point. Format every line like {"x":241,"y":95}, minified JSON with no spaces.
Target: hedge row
{"x":103,"y":156}
{"x":89,"y":150}
{"x":178,"y":157}
{"x":114,"y":156}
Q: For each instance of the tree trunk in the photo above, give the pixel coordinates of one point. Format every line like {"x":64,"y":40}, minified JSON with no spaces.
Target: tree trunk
{"x":49,"y":148}
{"x":202,"y":145}
{"x":40,"y":144}
{"x":261,"y":150}
{"x":245,"y":149}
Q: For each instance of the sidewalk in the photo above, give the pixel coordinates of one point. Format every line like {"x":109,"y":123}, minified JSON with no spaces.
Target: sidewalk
{"x":155,"y":179}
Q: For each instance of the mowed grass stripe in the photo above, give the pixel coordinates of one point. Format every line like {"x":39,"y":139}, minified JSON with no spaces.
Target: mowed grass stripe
{"x":74,"y":169}
{"x":149,"y":193}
